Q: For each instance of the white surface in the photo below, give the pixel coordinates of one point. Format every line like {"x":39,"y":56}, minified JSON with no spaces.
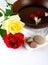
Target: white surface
{"x":22,"y":56}
{"x":2,"y":4}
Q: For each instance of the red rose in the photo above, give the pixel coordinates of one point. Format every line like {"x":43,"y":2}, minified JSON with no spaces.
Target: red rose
{"x":13,"y":41}
{"x":32,"y":15}
{"x":40,"y":13}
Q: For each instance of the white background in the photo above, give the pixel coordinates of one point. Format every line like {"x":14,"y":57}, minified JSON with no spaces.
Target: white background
{"x":22,"y":56}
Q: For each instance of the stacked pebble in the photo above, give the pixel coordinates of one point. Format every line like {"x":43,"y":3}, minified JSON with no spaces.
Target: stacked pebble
{"x":34,"y":41}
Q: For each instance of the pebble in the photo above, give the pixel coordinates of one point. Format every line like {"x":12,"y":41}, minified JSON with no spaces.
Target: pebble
{"x":29,"y":39}
{"x":33,"y":44}
{"x":39,"y":39}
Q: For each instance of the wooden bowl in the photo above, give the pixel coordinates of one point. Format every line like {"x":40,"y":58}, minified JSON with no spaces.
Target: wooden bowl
{"x":26,"y":7}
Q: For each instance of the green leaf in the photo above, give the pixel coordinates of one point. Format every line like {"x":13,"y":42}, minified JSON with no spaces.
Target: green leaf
{"x":0,"y":26}
{"x":9,"y":4}
{"x":13,"y":14}
{"x":1,"y":14}
{"x":8,"y":12}
{"x":6,"y":17}
{"x":2,"y":31}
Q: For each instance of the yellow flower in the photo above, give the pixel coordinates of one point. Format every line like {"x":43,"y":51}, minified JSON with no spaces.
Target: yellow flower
{"x":13,"y":24}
